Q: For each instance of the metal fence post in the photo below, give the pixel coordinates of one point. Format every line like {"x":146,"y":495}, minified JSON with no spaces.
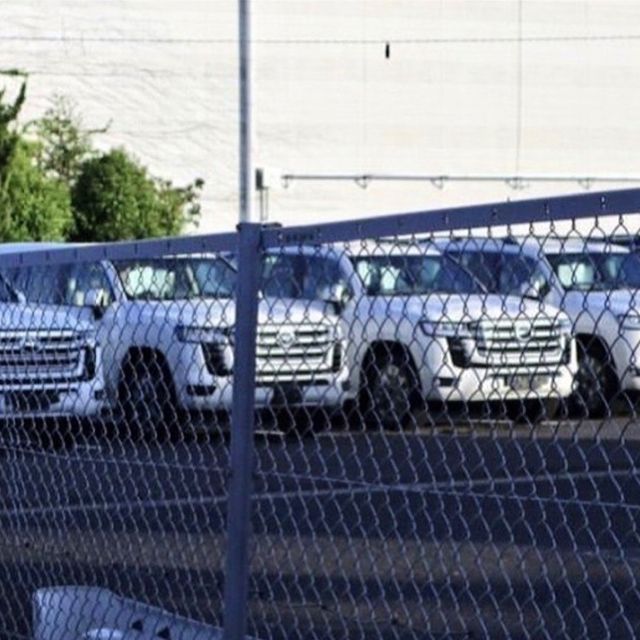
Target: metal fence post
{"x":242,"y":423}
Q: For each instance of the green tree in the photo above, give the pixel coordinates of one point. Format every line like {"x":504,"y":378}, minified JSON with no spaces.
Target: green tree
{"x":63,"y":142}
{"x":32,"y":206}
{"x":9,"y":137}
{"x":115,"y":198}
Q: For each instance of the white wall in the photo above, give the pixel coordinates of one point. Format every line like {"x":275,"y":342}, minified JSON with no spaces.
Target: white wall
{"x":458,"y":94}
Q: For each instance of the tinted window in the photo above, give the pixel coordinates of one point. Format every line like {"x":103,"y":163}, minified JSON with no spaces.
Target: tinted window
{"x":300,"y":276}
{"x":504,"y":273}
{"x":60,"y":284}
{"x":398,"y":275}
{"x":597,"y":271}
{"x":176,"y":278}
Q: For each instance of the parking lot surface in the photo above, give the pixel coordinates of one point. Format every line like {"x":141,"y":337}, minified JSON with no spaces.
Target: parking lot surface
{"x":478,"y":530}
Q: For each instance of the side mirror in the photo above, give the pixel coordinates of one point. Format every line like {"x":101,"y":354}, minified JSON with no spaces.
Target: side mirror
{"x":96,"y":299}
{"x":536,"y":290}
{"x":338,"y":295}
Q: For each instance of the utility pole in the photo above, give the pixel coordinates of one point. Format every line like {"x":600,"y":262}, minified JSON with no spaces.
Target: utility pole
{"x":246,"y":177}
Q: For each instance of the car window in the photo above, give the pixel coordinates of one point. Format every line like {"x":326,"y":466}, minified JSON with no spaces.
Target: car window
{"x":215,"y":278}
{"x":504,"y":273}
{"x":576,"y":274}
{"x":300,"y":276}
{"x":84,"y":278}
{"x":404,"y":275}
{"x":60,"y":284}
{"x":44,"y":285}
{"x":179,"y":278}
{"x":597,"y":271}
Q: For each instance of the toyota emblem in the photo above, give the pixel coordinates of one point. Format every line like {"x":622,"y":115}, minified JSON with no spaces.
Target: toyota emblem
{"x":286,"y":339}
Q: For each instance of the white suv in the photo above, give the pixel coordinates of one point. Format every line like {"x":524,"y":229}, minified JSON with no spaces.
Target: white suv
{"x":594,"y":283}
{"x":418,"y":326}
{"x":167,"y":326}
{"x":50,"y":361}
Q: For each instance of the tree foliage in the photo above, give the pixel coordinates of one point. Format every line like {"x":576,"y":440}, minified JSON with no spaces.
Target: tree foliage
{"x":9,"y":137}
{"x":54,"y":184}
{"x":63,"y":142}
{"x":115,"y":198}
{"x":32,"y":206}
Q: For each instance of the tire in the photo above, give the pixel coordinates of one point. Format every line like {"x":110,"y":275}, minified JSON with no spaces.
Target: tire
{"x":596,"y":383}
{"x":390,"y":390}
{"x":146,"y":400}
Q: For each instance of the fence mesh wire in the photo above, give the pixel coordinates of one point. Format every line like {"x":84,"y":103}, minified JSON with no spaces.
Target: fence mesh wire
{"x":115,"y":384}
{"x":445,"y":439}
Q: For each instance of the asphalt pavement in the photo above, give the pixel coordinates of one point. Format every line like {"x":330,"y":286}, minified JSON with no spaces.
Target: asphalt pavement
{"x":470,"y":530}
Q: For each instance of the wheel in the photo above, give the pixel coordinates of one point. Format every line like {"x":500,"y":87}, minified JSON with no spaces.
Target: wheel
{"x":146,"y":400}
{"x":390,"y":389}
{"x":596,"y":383}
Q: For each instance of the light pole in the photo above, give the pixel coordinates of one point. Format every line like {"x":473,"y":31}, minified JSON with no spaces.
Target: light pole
{"x":244,"y":31}
{"x":236,"y":588}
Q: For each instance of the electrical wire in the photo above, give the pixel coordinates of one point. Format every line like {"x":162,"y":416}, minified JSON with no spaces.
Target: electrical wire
{"x":325,"y":41}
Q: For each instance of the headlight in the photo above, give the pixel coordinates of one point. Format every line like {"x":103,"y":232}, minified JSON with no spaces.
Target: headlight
{"x":337,"y":332}
{"x":186,"y":333}
{"x":629,"y":320}
{"x":87,"y":336}
{"x":563,"y":325}
{"x":446,"y":329}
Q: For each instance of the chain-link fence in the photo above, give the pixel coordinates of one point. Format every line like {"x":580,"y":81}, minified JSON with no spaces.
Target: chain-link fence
{"x":115,"y":386}
{"x":415,"y":426}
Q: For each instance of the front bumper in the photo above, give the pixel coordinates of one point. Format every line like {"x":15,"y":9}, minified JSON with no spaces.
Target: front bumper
{"x":219,"y":397}
{"x":277,"y":384}
{"x":83,"y":399}
{"x":478,"y":385}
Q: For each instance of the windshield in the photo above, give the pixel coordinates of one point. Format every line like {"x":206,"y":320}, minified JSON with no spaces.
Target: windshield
{"x":306,"y":277}
{"x":503,"y":273}
{"x":176,"y":278}
{"x":597,"y":271}
{"x":63,"y":284}
{"x":409,"y":275}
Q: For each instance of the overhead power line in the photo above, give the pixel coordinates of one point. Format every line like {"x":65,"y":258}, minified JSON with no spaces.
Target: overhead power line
{"x":323,"y":41}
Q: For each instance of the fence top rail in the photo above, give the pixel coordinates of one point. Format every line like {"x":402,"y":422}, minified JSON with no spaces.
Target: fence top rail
{"x":551,"y":209}
{"x":52,"y":253}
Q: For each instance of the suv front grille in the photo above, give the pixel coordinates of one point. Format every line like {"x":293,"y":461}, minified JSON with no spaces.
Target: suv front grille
{"x":41,"y":357}
{"x":509,"y":343}
{"x":297,"y":353}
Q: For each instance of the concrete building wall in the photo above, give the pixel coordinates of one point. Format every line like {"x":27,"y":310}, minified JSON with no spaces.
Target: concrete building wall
{"x":470,"y":87}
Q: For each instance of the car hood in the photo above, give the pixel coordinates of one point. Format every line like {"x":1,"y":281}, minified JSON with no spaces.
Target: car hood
{"x":467,"y":308}
{"x":619,"y":302}
{"x":33,"y":317}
